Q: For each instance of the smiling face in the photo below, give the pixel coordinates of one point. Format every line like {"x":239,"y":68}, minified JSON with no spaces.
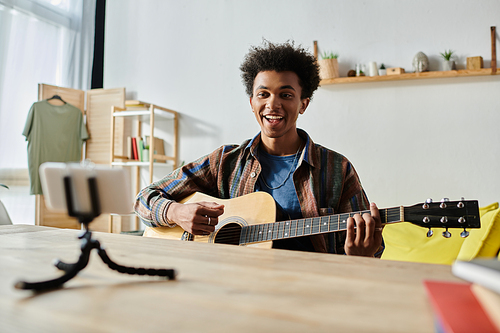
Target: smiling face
{"x":276,"y":104}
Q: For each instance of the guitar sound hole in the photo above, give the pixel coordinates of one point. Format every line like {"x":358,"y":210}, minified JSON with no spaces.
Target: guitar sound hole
{"x":229,"y":234}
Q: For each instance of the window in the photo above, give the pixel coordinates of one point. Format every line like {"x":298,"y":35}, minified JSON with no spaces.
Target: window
{"x":41,"y":41}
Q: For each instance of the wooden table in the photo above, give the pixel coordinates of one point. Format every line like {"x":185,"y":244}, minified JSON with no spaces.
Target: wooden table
{"x":219,"y":288}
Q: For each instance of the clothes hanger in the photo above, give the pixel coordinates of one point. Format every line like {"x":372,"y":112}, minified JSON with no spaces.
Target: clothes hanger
{"x":57,"y":97}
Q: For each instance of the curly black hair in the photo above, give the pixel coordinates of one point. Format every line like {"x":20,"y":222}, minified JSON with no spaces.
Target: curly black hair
{"x":281,"y":58}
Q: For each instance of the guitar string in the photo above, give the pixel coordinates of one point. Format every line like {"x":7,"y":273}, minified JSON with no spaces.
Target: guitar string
{"x":388,"y":214}
{"x":263,"y":238}
{"x":338,"y":218}
{"x":237,"y":233}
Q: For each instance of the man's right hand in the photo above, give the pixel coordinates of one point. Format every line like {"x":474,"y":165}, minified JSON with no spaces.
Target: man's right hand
{"x":197,"y":218}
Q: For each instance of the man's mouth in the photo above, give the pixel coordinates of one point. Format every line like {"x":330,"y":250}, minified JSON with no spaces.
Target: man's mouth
{"x":273,"y":118}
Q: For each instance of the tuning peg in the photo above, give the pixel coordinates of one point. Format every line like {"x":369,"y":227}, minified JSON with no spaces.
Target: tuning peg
{"x":446,"y":233}
{"x":443,"y":202}
{"x":430,"y":232}
{"x":426,"y":204}
{"x":464,"y":233}
{"x":460,"y":204}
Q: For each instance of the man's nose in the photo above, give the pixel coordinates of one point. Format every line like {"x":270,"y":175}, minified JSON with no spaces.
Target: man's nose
{"x":273,"y":102}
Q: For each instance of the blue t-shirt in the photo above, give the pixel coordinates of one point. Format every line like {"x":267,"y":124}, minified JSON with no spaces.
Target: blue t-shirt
{"x":276,"y":179}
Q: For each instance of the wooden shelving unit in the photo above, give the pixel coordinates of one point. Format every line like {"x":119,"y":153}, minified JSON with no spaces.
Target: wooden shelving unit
{"x":146,"y":112}
{"x":411,"y":76}
{"x":140,"y":113}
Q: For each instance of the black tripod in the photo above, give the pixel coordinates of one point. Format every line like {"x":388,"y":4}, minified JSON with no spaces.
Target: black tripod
{"x":71,"y":270}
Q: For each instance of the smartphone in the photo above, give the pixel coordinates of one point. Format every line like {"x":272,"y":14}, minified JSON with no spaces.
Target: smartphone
{"x":113,"y":187}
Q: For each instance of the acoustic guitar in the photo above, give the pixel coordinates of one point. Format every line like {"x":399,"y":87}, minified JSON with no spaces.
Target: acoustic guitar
{"x":250,"y":220}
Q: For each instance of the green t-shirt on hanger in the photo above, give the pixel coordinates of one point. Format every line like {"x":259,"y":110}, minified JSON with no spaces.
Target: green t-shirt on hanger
{"x":55,"y":133}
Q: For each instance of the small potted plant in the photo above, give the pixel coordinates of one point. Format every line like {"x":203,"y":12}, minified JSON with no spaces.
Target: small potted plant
{"x":447,"y":64}
{"x":382,"y":70}
{"x":328,"y":66}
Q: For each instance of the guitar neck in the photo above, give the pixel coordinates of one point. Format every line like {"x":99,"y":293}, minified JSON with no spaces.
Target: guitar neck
{"x":310,"y":226}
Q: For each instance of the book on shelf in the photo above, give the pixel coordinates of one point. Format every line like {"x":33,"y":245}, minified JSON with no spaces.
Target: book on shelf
{"x":136,"y":105}
{"x":457,"y":309}
{"x":485,"y":272}
{"x":138,"y":148}
{"x":159,"y":146}
{"x":129,"y":147}
{"x":135,"y":154}
{"x":132,"y":102}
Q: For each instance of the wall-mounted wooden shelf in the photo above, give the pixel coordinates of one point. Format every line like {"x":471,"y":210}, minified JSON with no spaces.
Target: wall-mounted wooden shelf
{"x":410,"y":76}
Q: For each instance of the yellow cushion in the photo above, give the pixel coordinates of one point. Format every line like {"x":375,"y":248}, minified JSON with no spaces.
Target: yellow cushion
{"x":485,"y":209}
{"x":483,"y":242}
{"x":407,"y":242}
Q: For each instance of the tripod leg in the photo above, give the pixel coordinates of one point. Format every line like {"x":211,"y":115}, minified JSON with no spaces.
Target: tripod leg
{"x":168,"y":273}
{"x":86,"y":247}
{"x":46,"y":285}
{"x":70,"y":272}
{"x":63,"y":266}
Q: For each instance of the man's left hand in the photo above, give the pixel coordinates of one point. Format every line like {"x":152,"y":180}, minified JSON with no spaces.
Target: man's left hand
{"x":364,"y":233}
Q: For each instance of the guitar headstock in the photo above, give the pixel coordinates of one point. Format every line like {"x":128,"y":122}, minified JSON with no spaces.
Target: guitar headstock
{"x":445,"y":214}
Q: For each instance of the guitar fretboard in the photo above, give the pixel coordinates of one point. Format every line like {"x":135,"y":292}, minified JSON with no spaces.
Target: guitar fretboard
{"x":309,"y":226}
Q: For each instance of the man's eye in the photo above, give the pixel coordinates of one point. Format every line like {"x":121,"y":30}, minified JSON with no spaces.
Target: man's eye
{"x":287,"y":95}
{"x":261,"y":94}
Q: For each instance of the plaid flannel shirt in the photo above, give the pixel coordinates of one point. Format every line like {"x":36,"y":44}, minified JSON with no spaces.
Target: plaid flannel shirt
{"x":325,"y":181}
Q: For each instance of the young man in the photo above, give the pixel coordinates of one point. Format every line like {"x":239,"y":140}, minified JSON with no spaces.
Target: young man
{"x":305,"y":179}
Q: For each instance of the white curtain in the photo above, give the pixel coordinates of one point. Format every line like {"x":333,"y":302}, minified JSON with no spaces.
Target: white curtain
{"x":41,"y":41}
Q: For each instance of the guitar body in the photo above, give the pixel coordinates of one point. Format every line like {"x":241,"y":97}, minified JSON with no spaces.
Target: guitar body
{"x":251,"y":209}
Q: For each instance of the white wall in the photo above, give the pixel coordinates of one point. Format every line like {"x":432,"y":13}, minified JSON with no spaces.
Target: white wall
{"x":409,"y":140}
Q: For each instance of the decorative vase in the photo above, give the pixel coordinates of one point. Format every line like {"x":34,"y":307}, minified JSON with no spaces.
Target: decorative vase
{"x":448,"y":65}
{"x":145,"y":155}
{"x":328,"y":68}
{"x":372,"y":68}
